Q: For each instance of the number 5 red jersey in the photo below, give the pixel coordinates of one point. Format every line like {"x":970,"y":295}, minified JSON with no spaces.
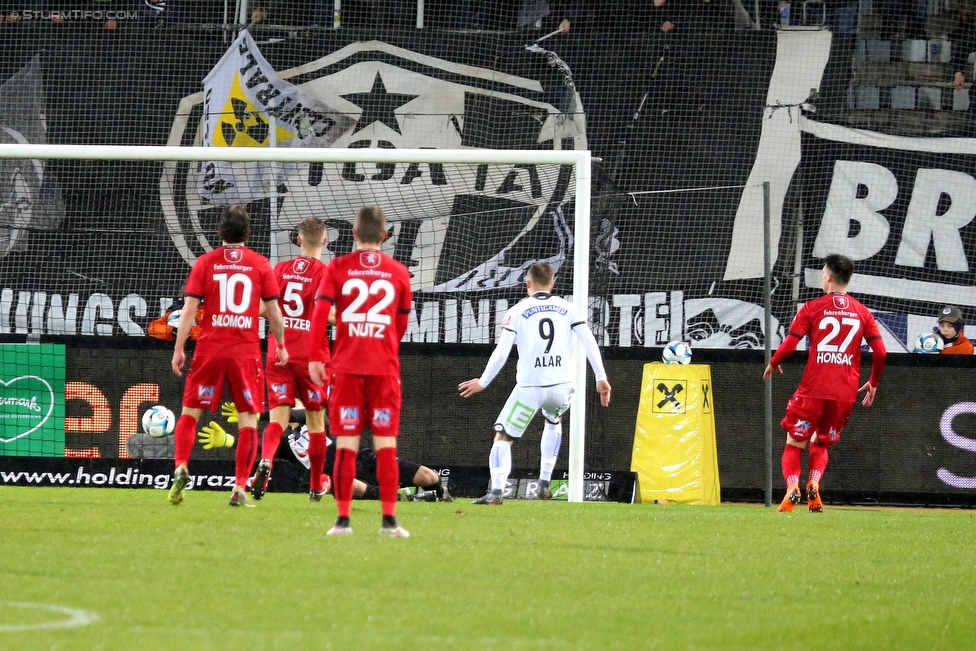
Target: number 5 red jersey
{"x":298,"y":280}
{"x":836,"y":323}
{"x":371,"y":293}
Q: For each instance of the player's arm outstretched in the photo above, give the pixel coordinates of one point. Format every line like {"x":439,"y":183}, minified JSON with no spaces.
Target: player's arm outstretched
{"x":588,"y":341}
{"x":495,"y":364}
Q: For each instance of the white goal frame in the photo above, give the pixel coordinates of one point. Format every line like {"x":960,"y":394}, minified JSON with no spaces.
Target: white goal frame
{"x":581,"y":160}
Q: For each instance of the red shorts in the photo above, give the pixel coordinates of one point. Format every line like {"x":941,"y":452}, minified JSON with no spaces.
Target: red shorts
{"x":285,"y":383}
{"x":358,"y":401}
{"x":806,"y":416}
{"x":243,"y":376}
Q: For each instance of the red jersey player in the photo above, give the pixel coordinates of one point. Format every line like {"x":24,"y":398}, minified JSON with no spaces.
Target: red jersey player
{"x":231,"y":281}
{"x":298,"y":280}
{"x":825,"y":398}
{"x":372,"y":298}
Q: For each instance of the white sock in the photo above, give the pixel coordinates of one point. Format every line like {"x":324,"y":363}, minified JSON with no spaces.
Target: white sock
{"x":552,"y":439}
{"x":500,"y":464}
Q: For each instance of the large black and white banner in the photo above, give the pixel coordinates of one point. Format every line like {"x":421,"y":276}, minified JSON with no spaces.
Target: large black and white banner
{"x":457,"y":227}
{"x":676,"y":259}
{"x":902,"y":208}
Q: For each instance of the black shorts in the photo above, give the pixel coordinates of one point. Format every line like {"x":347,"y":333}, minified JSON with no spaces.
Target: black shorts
{"x":366,"y":468}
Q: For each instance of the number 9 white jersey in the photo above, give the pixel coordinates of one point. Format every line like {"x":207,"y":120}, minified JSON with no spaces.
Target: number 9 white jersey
{"x":543,"y":327}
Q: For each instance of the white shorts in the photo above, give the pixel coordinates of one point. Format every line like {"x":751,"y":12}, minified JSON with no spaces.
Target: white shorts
{"x":524,"y":402}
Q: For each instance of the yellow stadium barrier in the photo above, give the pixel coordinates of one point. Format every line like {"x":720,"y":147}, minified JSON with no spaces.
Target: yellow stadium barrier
{"x":674,"y":443}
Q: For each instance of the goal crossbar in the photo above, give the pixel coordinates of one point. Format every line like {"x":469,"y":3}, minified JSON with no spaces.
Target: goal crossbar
{"x":580,"y":159}
{"x":295,"y":154}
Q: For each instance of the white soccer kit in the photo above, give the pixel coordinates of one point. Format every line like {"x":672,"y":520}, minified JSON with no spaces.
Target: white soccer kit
{"x":542,"y":327}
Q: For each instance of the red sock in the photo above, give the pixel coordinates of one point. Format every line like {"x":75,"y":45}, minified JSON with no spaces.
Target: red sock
{"x":817,"y":462}
{"x":316,"y":458}
{"x":186,"y":431}
{"x":245,"y":454}
{"x":343,"y":473}
{"x":388,"y":476}
{"x":792,"y":464}
{"x":272,"y":437}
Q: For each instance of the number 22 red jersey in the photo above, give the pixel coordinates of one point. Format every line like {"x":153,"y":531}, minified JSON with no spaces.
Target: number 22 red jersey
{"x":836,"y":324}
{"x":372,"y":297}
{"x":298,"y":280}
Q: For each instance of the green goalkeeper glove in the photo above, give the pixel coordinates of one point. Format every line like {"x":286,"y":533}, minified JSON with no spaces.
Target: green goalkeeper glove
{"x":214,"y":436}
{"x":229,"y":411}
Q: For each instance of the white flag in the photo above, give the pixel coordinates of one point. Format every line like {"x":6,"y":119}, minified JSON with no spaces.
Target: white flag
{"x":30,"y":197}
{"x":241,"y":94}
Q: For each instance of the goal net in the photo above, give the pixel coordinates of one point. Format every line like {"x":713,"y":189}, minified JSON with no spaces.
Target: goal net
{"x":687,"y":123}
{"x":467,"y":258}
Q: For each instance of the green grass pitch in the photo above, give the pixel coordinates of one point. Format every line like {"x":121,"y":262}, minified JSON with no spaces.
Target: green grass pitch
{"x":523,"y":575}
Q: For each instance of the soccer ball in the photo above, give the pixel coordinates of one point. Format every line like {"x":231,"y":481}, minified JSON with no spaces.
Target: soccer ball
{"x":929,"y":344}
{"x":158,"y":422}
{"x":677,"y":352}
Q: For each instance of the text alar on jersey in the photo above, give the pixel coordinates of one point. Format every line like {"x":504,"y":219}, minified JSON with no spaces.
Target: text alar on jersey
{"x":549,"y":360}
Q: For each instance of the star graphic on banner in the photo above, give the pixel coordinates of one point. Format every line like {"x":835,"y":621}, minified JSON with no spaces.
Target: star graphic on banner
{"x":378,"y":106}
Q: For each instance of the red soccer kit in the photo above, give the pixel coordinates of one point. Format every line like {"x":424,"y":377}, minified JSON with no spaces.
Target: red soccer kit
{"x":371,"y":293}
{"x":298,"y":280}
{"x":231,"y":281}
{"x":825,"y":397}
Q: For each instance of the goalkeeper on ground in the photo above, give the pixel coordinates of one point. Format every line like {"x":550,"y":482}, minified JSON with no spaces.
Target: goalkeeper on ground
{"x":365,"y":485}
{"x":542,"y":327}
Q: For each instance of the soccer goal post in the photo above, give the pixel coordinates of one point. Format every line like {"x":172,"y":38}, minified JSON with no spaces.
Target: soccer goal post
{"x":416,"y":187}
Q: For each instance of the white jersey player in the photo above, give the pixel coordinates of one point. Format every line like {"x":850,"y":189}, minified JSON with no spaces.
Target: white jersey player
{"x":541,"y":326}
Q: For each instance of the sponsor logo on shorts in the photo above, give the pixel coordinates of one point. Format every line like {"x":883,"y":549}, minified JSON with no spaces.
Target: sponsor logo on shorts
{"x":279,"y":389}
{"x":803,"y":426}
{"x":247,"y":395}
{"x":205,"y":392}
{"x":314,"y":396}
{"x":381,"y":417}
{"x":348,"y":417}
{"x":520,"y":416}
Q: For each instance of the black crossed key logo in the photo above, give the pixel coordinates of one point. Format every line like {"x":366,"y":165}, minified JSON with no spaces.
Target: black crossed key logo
{"x":669,"y":395}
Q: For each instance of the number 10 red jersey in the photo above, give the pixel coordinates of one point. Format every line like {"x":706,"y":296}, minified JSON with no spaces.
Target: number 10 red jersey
{"x":371,"y":293}
{"x":231,"y":281}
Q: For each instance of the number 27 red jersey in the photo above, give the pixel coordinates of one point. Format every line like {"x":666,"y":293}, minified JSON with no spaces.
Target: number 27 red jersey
{"x":836,"y":324}
{"x":372,"y":296}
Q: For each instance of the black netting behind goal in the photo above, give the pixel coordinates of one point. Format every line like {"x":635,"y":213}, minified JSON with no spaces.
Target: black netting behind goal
{"x":685,"y":125}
